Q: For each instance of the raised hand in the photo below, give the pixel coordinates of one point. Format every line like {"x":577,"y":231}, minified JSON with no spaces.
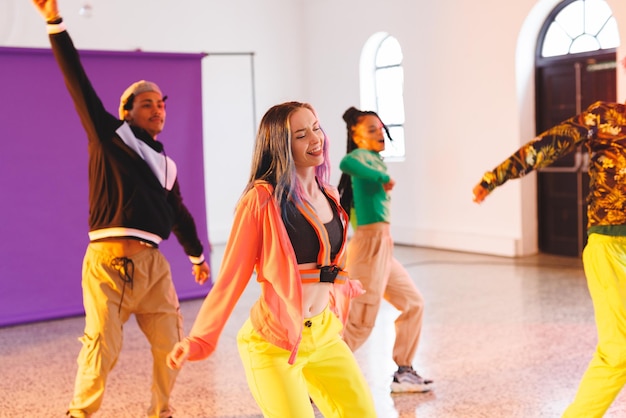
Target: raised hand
{"x":48,"y":9}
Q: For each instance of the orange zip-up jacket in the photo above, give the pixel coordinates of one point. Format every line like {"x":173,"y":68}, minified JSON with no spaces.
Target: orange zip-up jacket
{"x":259,"y":241}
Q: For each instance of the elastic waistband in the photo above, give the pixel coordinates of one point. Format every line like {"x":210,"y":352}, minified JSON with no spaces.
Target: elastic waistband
{"x":119,"y":232}
{"x":614,"y":239}
{"x":109,"y":250}
{"x":129,"y":240}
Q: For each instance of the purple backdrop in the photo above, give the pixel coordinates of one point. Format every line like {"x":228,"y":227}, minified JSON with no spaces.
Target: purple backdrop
{"x":43,"y":214}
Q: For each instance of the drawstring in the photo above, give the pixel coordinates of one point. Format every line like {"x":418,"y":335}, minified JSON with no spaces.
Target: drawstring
{"x":126,"y":269}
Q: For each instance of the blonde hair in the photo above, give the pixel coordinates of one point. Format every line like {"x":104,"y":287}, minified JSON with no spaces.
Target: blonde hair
{"x":272,"y":160}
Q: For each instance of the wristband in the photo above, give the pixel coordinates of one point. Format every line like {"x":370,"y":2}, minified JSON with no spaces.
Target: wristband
{"x":55,"y":20}
{"x":197,"y":261}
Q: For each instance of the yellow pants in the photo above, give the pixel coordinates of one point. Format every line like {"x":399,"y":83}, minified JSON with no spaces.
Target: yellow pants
{"x":325,"y":369}
{"x":371,"y":261}
{"x":604,"y":259}
{"x":108,"y":305}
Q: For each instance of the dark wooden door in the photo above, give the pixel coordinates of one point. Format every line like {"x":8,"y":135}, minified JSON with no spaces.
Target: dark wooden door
{"x":565,"y":87}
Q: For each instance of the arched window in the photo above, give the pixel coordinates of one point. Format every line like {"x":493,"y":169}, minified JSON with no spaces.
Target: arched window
{"x":382,"y":85}
{"x":580,"y":26}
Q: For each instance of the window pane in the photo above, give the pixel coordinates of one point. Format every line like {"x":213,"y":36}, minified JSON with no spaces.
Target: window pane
{"x":389,"y":81}
{"x":609,"y":36}
{"x":389,"y":92}
{"x":584,"y":43}
{"x":389,"y":53}
{"x":394,"y":148}
{"x":584,"y":25}
{"x":570,"y":19}
{"x":597,"y":12}
{"x":556,"y":42}
{"x":388,"y":86}
{"x":391,"y":109}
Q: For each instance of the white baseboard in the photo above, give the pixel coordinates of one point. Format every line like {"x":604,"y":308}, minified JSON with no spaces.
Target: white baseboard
{"x":455,"y":241}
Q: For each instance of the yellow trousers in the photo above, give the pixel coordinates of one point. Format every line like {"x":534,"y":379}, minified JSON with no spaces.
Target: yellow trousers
{"x":108,"y":304}
{"x":325,"y":369}
{"x":604,"y":260}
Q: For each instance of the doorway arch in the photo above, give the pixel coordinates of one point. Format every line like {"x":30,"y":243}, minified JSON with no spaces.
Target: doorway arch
{"x":525,"y":55}
{"x":575,"y":66}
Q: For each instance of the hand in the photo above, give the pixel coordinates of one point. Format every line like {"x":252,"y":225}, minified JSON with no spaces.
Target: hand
{"x":480,"y":193}
{"x":47,"y":8}
{"x":389,"y":185}
{"x":178,"y":356}
{"x":355,"y":288}
{"x":201,"y":272}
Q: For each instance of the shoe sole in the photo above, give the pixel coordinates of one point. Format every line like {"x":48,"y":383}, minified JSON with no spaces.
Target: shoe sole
{"x":411,"y":389}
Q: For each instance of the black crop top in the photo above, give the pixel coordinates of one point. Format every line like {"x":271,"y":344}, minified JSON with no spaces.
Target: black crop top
{"x":304,"y":240}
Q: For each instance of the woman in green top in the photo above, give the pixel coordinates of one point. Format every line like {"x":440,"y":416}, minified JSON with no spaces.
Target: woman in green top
{"x":364,"y":187}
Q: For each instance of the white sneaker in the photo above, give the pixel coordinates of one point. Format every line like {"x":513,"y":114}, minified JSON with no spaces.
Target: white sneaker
{"x":407,"y":380}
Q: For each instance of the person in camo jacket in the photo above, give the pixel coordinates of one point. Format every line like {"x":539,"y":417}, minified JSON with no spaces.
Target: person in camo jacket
{"x":601,"y":129}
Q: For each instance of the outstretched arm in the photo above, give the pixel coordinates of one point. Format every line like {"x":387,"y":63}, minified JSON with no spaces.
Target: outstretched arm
{"x":97,"y":122}
{"x":541,"y":152}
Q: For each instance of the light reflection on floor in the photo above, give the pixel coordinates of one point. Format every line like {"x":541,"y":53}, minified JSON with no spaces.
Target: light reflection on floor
{"x":502,"y":338}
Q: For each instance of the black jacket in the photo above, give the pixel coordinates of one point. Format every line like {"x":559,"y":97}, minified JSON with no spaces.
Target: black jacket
{"x":133,"y":190}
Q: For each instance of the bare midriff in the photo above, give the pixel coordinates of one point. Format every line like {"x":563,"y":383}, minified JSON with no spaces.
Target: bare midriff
{"x":315,"y":296}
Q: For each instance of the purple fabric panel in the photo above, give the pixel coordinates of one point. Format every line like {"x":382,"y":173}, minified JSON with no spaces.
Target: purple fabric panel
{"x":43,"y":162}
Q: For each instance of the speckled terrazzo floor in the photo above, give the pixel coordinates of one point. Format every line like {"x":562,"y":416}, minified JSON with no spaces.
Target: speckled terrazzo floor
{"x":502,"y":338}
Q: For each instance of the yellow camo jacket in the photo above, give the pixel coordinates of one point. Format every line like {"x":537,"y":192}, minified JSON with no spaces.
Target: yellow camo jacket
{"x":601,"y":128}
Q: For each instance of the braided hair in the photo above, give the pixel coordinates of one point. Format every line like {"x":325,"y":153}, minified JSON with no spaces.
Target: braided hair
{"x":352,"y":116}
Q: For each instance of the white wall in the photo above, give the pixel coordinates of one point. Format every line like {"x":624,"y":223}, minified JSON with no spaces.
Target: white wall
{"x":462,"y":113}
{"x":469,"y":97}
{"x":469,"y":91}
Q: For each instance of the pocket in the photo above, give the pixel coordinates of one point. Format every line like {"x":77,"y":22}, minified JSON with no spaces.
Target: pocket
{"x":256,"y":351}
{"x":180,"y":324}
{"x":363,"y":311}
{"x":90,"y":356}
